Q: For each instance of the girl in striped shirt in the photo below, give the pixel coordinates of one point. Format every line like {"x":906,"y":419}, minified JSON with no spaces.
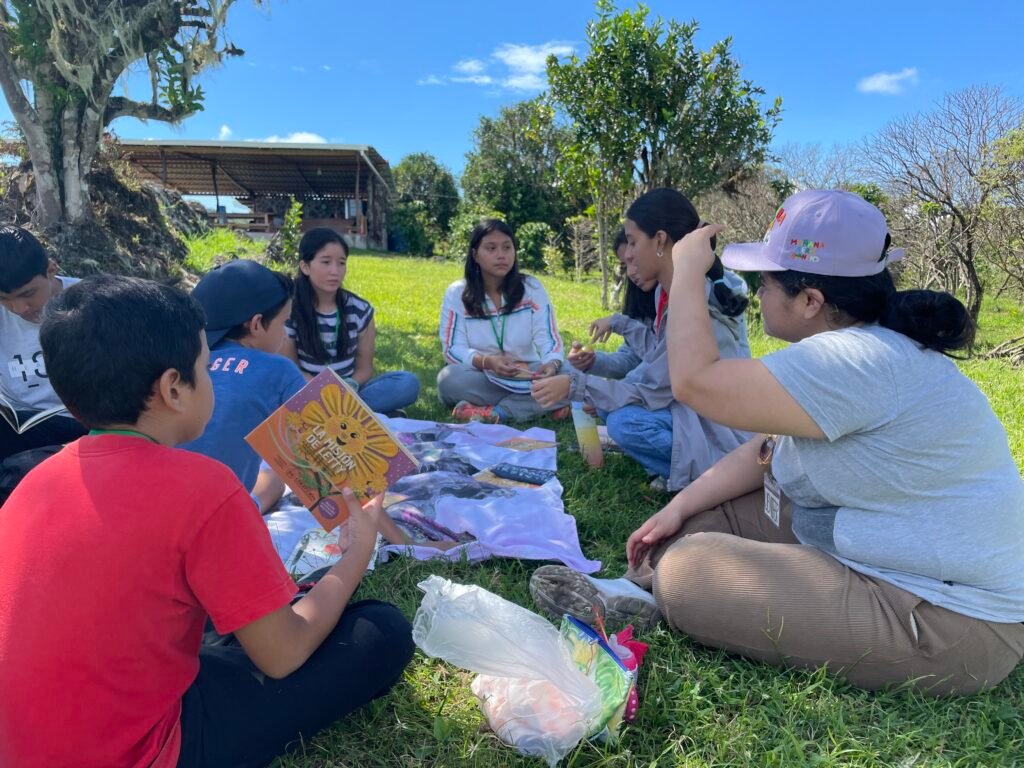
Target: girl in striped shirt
{"x":334,"y":328}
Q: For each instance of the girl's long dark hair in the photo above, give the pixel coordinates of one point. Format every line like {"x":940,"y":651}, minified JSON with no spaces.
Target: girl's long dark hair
{"x":307,"y":331}
{"x":512,"y":287}
{"x":636,"y":302}
{"x":672,"y":213}
{"x":935,"y":320}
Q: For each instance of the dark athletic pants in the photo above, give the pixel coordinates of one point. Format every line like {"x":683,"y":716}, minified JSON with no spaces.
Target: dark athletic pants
{"x":233,"y":715}
{"x":55,"y":430}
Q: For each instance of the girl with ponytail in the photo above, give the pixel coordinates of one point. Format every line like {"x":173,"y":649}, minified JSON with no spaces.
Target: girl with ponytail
{"x":876,"y":523}
{"x":671,"y":441}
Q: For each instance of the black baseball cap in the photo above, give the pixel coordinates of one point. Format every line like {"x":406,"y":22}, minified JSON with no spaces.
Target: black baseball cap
{"x":232,"y":293}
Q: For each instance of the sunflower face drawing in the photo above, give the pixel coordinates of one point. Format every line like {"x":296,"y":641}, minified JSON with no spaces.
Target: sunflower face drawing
{"x":340,"y":428}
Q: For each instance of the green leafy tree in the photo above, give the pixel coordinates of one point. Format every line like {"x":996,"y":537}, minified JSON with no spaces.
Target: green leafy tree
{"x":532,"y":237}
{"x":648,"y":103}
{"x":456,"y":244}
{"x":61,"y":60}
{"x":425,"y":201}
{"x":291,"y":231}
{"x":513,"y":165}
{"x":419,"y":177}
{"x":649,"y":109}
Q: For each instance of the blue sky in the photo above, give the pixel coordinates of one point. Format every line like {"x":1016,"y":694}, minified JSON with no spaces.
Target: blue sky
{"x":416,"y":76}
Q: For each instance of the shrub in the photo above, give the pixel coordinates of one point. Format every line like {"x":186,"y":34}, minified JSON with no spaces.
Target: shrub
{"x":291,"y":232}
{"x":461,"y":227}
{"x":411,"y":229}
{"x":532,"y":237}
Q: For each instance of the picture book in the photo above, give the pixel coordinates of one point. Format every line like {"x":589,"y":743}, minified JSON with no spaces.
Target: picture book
{"x":10,"y":415}
{"x":519,"y":383}
{"x":325,"y":438}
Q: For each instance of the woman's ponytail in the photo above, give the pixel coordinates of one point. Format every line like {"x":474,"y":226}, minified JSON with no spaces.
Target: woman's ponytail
{"x":733,"y":304}
{"x":933,"y":319}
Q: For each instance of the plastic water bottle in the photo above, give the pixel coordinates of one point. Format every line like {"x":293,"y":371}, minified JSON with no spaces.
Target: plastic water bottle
{"x":586,"y":435}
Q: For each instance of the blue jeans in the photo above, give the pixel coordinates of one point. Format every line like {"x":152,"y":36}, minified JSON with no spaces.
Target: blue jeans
{"x":643,"y":435}
{"x":390,"y":391}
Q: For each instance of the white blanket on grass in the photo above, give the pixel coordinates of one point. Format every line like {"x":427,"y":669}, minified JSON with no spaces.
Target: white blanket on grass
{"x":526,"y":523}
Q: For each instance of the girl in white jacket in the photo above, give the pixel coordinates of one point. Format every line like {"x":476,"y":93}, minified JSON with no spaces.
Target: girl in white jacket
{"x":498,"y":333}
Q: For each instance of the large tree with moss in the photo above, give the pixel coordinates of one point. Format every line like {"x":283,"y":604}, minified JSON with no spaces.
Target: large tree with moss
{"x":61,"y":62}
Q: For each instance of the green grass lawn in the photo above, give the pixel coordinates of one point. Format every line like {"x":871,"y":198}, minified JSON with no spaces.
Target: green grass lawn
{"x":699,"y":707}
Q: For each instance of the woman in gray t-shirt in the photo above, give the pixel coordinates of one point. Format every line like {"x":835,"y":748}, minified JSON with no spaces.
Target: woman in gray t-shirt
{"x":876,"y":524}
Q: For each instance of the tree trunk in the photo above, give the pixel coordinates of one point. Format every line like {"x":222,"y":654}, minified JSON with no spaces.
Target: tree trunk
{"x":975,"y":290}
{"x":62,"y":146}
{"x":81,"y":132}
{"x":602,"y":241}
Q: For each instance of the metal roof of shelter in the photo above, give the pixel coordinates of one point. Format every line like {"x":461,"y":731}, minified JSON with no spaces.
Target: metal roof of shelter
{"x":247,"y":169}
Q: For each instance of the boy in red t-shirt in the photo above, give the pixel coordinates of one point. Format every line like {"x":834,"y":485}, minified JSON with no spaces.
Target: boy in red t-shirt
{"x":115,"y":550}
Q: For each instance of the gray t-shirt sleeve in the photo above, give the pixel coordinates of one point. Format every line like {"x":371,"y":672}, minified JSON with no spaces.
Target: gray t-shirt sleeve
{"x":844,"y":380}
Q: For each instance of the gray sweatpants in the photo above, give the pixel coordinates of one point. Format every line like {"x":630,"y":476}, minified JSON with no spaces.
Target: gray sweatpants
{"x":731,"y":579}
{"x":464,"y":382}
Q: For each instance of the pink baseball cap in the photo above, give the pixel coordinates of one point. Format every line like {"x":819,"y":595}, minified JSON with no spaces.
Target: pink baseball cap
{"x":821,"y":232}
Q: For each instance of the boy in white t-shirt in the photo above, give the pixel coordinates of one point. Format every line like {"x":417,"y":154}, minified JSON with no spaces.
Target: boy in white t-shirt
{"x":28,"y":280}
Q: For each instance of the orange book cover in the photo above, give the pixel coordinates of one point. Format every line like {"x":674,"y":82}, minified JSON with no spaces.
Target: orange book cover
{"x":325,"y":438}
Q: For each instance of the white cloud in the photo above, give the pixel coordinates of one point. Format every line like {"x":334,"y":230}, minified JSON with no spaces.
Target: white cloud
{"x":224,"y":133}
{"x":298,"y":137}
{"x":528,"y":81}
{"x":298,"y":69}
{"x":527,"y":63}
{"x":470,"y":67}
{"x":474,"y":79}
{"x":891,"y":83}
{"x":525,"y":67}
{"x":326,"y":67}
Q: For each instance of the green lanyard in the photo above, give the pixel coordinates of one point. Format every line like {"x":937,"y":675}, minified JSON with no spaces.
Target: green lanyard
{"x":499,"y":337}
{"x":124,"y":432}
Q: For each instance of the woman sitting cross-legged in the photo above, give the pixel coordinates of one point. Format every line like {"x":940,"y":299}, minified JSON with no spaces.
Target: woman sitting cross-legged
{"x":497,"y":321}
{"x":876,"y":525}
{"x":672,"y":442}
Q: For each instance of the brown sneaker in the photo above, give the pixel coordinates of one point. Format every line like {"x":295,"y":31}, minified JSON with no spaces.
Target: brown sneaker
{"x":558,"y":590}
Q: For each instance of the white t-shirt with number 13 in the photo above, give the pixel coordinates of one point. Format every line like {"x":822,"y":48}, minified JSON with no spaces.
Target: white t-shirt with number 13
{"x":23,"y":380}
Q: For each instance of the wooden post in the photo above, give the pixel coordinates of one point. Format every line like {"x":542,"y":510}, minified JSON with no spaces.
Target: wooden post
{"x":359,"y":201}
{"x":221,"y":219}
{"x":370,"y":213}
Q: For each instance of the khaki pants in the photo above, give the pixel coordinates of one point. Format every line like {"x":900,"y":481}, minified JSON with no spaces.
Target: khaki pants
{"x":731,"y":579}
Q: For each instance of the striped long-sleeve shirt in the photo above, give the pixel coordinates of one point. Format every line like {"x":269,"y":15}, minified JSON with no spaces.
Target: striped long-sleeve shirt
{"x":529,"y":332}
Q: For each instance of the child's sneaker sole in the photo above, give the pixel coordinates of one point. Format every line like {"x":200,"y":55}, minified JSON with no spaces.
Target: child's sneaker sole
{"x":557,"y":590}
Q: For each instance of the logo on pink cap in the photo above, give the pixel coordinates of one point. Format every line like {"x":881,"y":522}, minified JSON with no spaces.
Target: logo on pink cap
{"x":824,"y":232}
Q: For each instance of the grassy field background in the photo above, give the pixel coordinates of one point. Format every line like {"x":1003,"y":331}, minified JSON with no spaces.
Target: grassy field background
{"x":699,"y":707}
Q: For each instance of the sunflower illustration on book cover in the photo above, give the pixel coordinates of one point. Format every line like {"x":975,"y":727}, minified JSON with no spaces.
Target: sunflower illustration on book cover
{"x":323,"y":439}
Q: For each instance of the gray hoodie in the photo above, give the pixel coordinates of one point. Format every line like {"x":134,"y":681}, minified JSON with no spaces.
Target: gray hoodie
{"x":697,"y":443}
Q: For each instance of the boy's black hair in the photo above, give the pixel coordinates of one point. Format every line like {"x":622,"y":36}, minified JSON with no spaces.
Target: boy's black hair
{"x":269,"y":314}
{"x":108,"y":339}
{"x":22,"y":258}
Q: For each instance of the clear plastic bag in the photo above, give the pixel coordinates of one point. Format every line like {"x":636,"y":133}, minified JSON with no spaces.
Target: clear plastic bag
{"x":533,"y":694}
